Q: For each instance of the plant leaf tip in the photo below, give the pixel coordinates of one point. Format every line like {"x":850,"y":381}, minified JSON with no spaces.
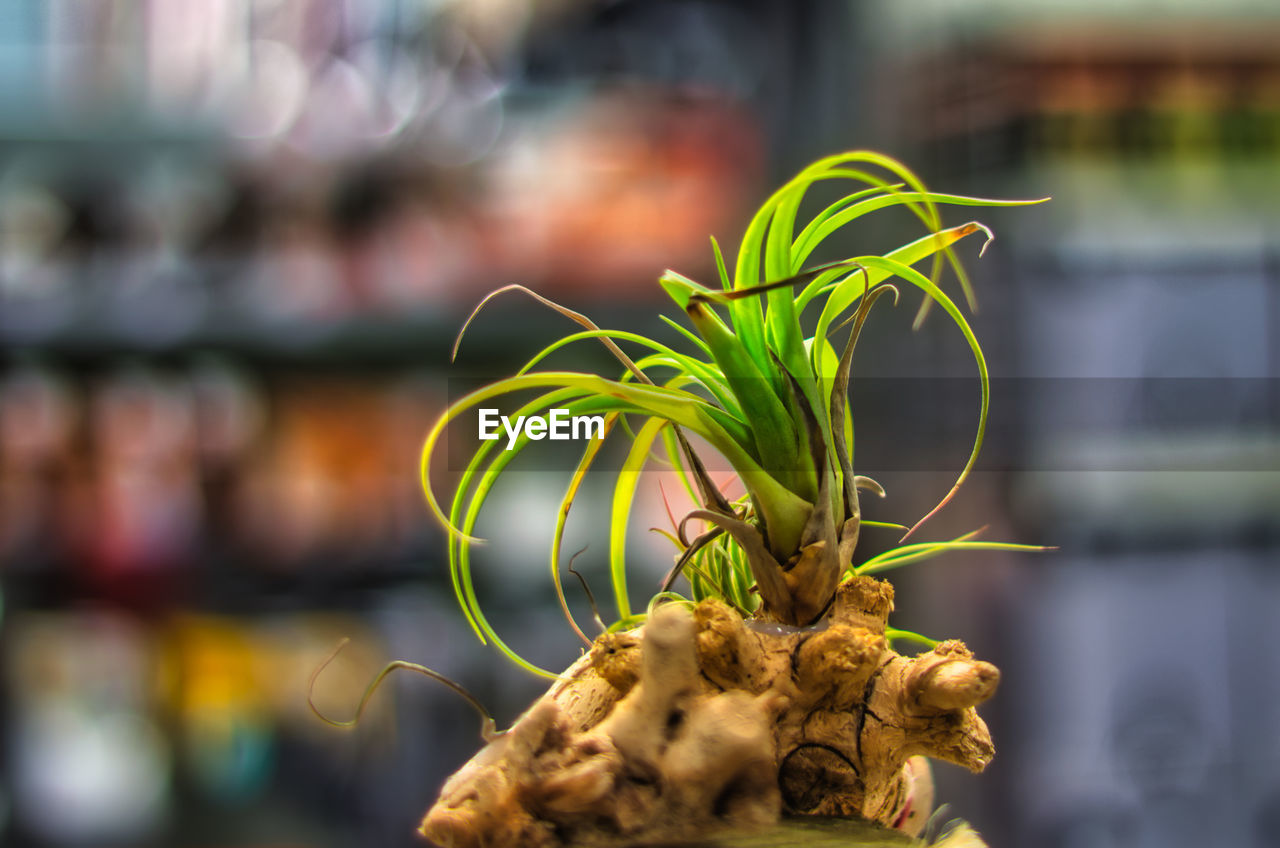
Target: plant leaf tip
{"x":311,"y":686}
{"x":990,"y":238}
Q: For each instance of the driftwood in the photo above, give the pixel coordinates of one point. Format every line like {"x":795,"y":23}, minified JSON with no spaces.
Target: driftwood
{"x":702,"y":724}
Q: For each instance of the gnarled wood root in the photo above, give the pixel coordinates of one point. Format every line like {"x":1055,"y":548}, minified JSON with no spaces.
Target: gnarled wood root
{"x":702,"y":722}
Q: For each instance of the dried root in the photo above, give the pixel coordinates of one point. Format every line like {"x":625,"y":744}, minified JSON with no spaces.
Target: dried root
{"x":703,"y":723}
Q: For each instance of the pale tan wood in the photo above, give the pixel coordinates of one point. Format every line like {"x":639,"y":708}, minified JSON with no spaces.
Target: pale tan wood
{"x":815,"y":832}
{"x":822,"y":832}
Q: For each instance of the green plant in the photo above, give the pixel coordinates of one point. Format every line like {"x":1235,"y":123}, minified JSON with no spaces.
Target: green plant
{"x":771,"y":399}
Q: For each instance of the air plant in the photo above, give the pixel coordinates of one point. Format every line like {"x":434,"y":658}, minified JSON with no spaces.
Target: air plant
{"x":771,"y":401}
{"x":782,"y":633}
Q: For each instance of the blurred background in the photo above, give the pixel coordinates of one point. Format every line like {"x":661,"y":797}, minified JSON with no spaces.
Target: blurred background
{"x":237,"y":238}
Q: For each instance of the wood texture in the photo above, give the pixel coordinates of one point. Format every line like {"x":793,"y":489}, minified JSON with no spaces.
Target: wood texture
{"x":703,"y":722}
{"x":812,"y":832}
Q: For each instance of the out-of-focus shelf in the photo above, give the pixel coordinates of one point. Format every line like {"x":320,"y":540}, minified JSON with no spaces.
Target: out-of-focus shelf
{"x":76,"y":331}
{"x":121,"y":133}
{"x":1149,"y":486}
{"x":1164,"y":25}
{"x":247,"y":591}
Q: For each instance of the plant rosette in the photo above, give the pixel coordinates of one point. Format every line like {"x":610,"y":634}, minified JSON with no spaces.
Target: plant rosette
{"x":770,"y":685}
